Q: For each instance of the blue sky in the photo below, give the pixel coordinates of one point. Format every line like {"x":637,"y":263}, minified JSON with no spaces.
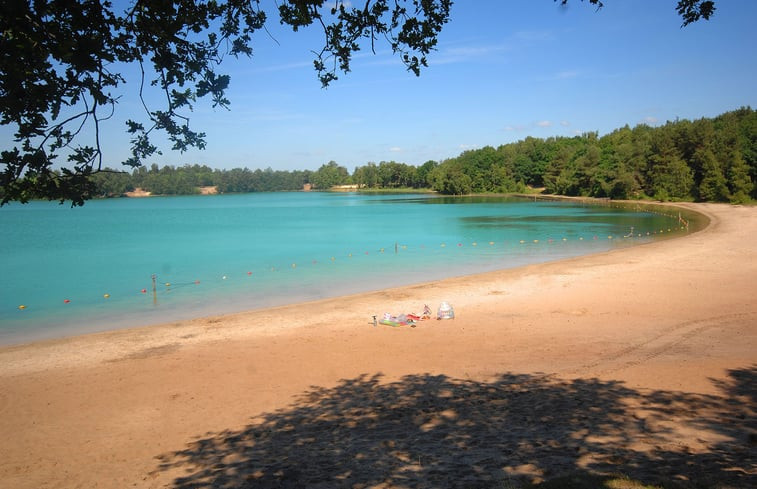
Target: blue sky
{"x":504,"y":70}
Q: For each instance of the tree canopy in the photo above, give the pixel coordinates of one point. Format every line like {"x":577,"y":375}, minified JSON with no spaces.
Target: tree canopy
{"x":61,"y":62}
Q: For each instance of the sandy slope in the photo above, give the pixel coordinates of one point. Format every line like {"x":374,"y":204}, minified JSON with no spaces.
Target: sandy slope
{"x":641,"y":360}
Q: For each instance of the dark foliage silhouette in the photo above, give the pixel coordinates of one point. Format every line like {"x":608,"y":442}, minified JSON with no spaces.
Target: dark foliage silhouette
{"x":435,"y":431}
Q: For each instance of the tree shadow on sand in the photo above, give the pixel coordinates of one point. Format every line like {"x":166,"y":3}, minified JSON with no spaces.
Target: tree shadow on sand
{"x":435,"y":431}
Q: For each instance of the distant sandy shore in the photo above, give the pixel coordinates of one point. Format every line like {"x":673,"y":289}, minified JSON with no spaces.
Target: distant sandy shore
{"x":641,"y":361}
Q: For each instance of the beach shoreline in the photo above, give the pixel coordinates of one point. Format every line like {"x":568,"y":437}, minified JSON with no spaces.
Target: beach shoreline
{"x":674,"y":318}
{"x":43,"y":321}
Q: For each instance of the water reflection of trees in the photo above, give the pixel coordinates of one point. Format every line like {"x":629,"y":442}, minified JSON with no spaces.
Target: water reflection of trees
{"x":435,"y":431}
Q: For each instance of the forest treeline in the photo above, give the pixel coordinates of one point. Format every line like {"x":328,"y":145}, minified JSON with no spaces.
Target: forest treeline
{"x":710,"y":159}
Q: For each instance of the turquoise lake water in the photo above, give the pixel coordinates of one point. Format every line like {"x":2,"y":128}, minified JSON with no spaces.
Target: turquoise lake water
{"x":69,"y":271}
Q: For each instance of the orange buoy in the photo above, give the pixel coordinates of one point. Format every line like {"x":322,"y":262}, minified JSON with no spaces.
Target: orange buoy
{"x":66,"y":301}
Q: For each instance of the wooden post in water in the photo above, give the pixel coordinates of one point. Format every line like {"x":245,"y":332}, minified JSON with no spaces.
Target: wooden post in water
{"x":154,"y":290}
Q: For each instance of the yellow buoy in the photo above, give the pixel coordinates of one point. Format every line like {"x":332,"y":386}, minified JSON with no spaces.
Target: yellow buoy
{"x":22,"y":307}
{"x":106,"y":295}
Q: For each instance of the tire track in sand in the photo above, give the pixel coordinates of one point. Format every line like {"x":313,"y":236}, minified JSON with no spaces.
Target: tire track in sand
{"x":657,"y":345}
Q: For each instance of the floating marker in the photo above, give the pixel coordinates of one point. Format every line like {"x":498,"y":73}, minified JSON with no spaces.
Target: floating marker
{"x":224,"y":277}
{"x":491,"y":243}
{"x":294,"y":265}
{"x":144,"y":291}
{"x":22,"y":307}
{"x":107,"y":296}
{"x":66,"y":301}
{"x":197,"y":282}
{"x":168,"y":284}
{"x":249,"y":273}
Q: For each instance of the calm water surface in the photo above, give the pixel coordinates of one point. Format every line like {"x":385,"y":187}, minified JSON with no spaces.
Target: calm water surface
{"x":67,"y":271}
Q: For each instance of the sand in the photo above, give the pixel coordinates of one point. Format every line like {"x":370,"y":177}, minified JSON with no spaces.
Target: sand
{"x":639,"y":361}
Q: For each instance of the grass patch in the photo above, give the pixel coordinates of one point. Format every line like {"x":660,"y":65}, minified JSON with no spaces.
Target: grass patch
{"x":583,"y":480}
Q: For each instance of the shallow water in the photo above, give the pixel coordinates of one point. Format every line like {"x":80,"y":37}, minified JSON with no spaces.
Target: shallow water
{"x":68,"y":271}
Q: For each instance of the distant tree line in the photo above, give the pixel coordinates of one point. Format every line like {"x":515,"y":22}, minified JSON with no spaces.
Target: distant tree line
{"x":710,"y":159}
{"x":705,"y":160}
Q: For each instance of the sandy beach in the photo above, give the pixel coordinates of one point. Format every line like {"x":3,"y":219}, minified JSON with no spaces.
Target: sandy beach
{"x":640,"y":361}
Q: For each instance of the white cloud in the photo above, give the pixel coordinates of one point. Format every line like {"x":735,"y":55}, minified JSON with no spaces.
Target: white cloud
{"x":544,"y":123}
{"x":462,"y":54}
{"x":649,"y":120}
{"x":564,"y":123}
{"x":395,"y":149}
{"x":534,"y":36}
{"x":563,"y":75}
{"x":283,"y":67}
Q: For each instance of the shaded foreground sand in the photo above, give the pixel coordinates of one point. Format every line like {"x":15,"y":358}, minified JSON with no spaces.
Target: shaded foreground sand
{"x":641,"y":361}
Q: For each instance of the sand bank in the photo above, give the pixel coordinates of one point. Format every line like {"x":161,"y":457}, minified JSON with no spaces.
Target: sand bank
{"x":641,"y":360}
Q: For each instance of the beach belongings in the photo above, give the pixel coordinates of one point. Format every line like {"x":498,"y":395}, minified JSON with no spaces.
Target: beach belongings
{"x":408,"y":319}
{"x":445,"y":311}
